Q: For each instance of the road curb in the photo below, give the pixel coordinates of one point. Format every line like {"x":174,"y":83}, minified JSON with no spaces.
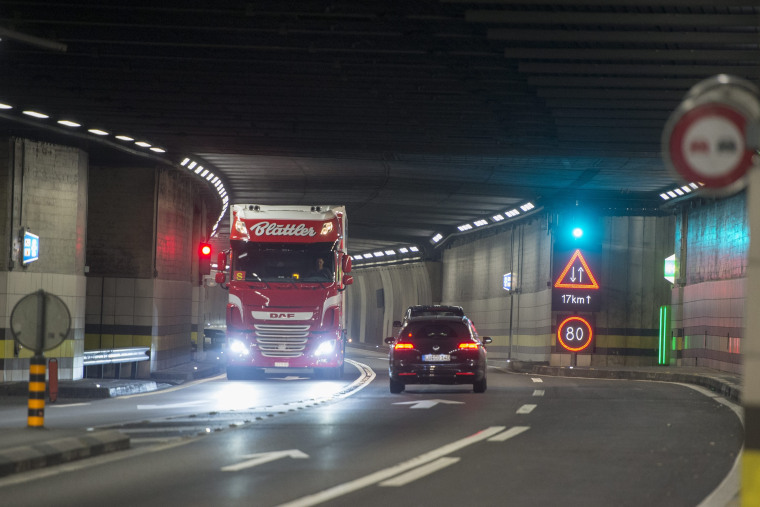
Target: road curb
{"x":62,"y":450}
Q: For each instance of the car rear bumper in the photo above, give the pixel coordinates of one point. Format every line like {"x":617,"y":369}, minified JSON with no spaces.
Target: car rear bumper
{"x":437,"y":374}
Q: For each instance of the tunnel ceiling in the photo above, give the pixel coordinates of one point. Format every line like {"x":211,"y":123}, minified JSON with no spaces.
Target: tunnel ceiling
{"x":418,"y":116}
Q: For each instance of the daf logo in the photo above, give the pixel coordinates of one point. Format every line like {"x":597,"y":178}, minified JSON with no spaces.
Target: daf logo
{"x":436,"y":348}
{"x":282,"y":315}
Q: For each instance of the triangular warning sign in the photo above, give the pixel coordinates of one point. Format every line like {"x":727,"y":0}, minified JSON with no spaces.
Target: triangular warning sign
{"x":577,"y":274}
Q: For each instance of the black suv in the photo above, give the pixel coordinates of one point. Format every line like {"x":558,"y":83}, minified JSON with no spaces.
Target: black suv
{"x":437,"y":349}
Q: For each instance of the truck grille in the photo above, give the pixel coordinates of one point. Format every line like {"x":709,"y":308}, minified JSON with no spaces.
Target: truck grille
{"x":281,"y":340}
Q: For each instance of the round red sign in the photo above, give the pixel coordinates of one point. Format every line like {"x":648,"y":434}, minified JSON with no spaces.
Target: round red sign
{"x":707,"y":145}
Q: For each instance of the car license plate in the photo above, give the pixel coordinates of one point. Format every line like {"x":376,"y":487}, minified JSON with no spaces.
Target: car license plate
{"x":281,"y":365}
{"x":433,"y":358}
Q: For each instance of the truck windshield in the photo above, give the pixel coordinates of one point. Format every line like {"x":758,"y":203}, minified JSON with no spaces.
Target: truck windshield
{"x":282,"y":262}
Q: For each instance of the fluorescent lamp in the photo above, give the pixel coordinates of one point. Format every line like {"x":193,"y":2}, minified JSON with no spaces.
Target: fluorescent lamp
{"x":142,"y":144}
{"x":481,"y":223}
{"x":527,"y":206}
{"x":390,"y":252}
{"x":36,"y":114}
{"x":158,"y":150}
{"x":184,"y":162}
{"x":664,"y":196}
{"x":403,"y":249}
{"x":122,"y":137}
{"x":98,"y":132}
{"x":497,"y":218}
{"x":465,"y":227}
{"x":5,"y":106}
{"x":69,"y":123}
{"x":512,"y":213}
{"x":379,"y":254}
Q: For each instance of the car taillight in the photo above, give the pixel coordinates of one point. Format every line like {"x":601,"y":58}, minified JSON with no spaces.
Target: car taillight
{"x":468,"y":346}
{"x":401,"y":346}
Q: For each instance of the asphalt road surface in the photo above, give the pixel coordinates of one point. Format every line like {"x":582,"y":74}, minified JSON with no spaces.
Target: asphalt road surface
{"x":292,"y":440}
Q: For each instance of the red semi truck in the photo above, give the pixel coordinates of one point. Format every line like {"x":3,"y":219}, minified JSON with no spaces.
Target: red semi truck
{"x":288,"y":270}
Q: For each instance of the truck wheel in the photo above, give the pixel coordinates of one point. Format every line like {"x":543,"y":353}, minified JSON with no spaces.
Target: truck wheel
{"x":479,"y":386}
{"x":396,"y":387}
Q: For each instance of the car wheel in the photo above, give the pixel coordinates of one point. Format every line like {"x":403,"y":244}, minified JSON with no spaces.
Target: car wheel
{"x":479,"y":386}
{"x":396,"y":386}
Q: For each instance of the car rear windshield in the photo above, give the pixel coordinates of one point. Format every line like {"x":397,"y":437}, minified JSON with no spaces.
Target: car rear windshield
{"x":435,"y":330}
{"x":449,"y":312}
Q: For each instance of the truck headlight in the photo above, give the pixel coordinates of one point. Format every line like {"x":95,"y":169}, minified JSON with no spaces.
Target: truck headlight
{"x":238,"y":347}
{"x":325,"y":348}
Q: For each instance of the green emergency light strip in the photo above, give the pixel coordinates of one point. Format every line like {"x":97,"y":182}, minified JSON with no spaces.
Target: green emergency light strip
{"x":662,"y":357}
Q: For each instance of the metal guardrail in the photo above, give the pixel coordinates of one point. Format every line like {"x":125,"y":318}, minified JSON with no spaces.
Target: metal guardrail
{"x":116,"y":357}
{"x":113,"y":356}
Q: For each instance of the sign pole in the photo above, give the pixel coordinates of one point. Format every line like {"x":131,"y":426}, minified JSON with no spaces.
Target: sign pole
{"x":751,"y":352}
{"x":36,"y":405}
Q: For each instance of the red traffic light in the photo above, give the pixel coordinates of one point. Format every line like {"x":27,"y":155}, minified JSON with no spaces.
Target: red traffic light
{"x":204,"y":265}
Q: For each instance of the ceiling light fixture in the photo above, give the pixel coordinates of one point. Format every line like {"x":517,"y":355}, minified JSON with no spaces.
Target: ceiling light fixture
{"x":36,"y":114}
{"x":69,"y":123}
{"x":97,"y":132}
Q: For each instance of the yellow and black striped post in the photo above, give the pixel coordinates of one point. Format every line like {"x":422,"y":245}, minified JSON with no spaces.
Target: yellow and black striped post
{"x":36,"y":418}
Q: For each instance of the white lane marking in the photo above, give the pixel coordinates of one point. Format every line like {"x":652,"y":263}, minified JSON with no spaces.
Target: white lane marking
{"x":264,"y":457}
{"x":526,"y":409}
{"x":511,"y":432}
{"x":539,"y":392}
{"x":70,"y":405}
{"x":171,"y":405}
{"x":387,"y":473}
{"x":420,"y":472}
{"x":536,"y":379}
{"x":428,"y":403}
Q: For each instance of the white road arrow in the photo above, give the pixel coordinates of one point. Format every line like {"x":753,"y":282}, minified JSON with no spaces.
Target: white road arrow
{"x":290,"y":378}
{"x":171,"y":405}
{"x":428,"y":403}
{"x":264,"y":457}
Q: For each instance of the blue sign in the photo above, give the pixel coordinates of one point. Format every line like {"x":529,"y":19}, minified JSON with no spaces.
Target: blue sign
{"x":507,"y":281}
{"x":31,"y":248}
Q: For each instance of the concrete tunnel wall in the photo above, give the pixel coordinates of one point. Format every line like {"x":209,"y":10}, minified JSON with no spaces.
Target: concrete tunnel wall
{"x":117,"y":244}
{"x":710,"y":239}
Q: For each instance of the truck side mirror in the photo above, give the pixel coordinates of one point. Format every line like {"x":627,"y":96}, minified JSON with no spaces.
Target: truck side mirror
{"x":346,"y":264}
{"x":221,"y":261}
{"x":220,"y":277}
{"x":348,"y":279}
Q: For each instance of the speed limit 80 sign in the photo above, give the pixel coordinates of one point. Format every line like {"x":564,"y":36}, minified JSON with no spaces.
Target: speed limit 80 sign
{"x":575,"y":333}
